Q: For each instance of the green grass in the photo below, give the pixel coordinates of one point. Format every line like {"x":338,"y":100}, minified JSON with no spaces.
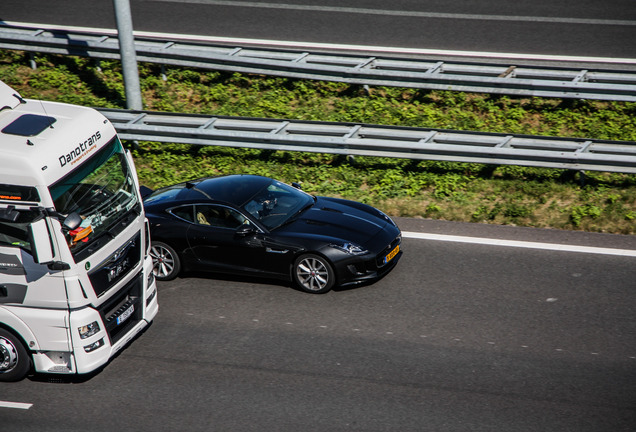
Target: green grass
{"x":513,"y":195}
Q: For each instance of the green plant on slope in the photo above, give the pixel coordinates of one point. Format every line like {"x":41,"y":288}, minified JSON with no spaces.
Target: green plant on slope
{"x":445,"y":190}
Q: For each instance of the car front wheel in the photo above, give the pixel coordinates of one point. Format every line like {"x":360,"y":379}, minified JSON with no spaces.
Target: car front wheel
{"x":15,"y":362}
{"x":314,"y":274}
{"x":165,"y":261}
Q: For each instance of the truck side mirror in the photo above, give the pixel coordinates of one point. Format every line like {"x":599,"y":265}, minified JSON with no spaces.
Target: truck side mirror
{"x":40,"y":240}
{"x":72,"y":221}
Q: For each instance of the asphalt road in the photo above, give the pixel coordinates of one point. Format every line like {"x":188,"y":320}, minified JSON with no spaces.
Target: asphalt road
{"x":459,"y":337}
{"x":573,"y":28}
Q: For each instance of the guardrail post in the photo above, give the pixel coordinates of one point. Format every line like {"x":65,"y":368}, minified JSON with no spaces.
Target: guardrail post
{"x":127,"y":51}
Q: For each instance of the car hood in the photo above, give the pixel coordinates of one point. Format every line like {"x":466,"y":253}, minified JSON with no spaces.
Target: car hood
{"x":340,"y":219}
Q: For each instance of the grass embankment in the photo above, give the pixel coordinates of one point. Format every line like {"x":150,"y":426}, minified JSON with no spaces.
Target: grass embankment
{"x":601,"y":202}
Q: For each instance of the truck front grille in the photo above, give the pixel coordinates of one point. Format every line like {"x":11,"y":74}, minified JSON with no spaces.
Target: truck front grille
{"x":116,"y":266}
{"x":124,"y":310}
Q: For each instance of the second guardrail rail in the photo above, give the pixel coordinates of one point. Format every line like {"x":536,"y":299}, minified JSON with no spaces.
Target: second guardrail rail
{"x":374,"y":140}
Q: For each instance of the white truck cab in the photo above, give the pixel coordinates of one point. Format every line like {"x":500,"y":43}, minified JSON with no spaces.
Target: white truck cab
{"x":76,"y":282}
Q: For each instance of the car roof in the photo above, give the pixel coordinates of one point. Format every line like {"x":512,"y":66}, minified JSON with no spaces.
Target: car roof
{"x":235,"y":189}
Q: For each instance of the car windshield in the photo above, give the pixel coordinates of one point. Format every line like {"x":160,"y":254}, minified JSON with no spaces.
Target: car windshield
{"x":101,"y":191}
{"x":277,"y":204}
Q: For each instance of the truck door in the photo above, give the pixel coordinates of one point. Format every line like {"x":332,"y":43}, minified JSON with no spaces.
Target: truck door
{"x":24,"y":281}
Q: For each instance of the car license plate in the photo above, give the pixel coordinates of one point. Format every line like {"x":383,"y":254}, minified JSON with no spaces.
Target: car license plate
{"x":392,"y":254}
{"x":124,"y":316}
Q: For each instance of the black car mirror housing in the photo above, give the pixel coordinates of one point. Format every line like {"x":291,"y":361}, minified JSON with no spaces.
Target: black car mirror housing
{"x":245,"y":230}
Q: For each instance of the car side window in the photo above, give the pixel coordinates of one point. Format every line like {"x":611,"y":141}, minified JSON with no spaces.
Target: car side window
{"x":185,"y":213}
{"x":218,"y":216}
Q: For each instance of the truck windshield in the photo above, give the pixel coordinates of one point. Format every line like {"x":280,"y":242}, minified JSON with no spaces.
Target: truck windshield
{"x":101,"y":191}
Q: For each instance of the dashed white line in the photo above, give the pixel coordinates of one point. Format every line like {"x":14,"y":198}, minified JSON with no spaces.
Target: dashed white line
{"x":520,"y":244}
{"x":15,"y":405}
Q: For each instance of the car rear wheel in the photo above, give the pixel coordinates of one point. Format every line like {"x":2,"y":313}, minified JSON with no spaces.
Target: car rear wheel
{"x":15,"y":362}
{"x":165,"y":261}
{"x":314,"y":274}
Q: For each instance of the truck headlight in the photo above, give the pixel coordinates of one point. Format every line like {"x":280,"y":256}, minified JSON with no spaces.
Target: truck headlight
{"x":89,"y":330}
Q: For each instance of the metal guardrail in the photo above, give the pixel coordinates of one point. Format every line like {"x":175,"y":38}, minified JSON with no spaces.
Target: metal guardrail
{"x":376,"y":71}
{"x":372,"y":140}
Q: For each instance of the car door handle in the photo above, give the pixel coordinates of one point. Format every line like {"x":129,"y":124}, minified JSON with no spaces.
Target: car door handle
{"x":276,"y":251}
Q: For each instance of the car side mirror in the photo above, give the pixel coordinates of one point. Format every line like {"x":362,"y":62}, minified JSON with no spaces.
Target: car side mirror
{"x":245,"y":230}
{"x":144,"y":191}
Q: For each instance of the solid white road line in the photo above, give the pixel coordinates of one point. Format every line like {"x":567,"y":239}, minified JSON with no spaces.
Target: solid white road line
{"x":520,"y":244}
{"x":330,"y":46}
{"x":16,"y":405}
{"x":411,"y":14}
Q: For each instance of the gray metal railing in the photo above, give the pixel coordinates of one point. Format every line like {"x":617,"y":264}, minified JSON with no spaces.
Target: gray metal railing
{"x":373,"y":140}
{"x":426,"y":74}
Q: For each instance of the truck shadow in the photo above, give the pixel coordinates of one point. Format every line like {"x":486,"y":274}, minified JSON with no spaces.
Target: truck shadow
{"x":81,"y":378}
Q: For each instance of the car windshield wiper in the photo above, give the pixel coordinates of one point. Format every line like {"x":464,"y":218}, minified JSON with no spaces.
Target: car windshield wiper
{"x":295,"y":216}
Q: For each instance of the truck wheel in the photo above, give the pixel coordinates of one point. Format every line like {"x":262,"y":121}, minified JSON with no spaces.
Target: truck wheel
{"x":314,"y":274}
{"x":165,"y":261}
{"x":15,"y":362}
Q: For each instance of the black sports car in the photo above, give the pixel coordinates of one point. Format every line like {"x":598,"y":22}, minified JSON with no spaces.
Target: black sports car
{"x":245,"y":224}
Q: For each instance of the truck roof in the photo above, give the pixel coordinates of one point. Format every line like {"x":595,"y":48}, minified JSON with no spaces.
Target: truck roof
{"x":40,"y":142}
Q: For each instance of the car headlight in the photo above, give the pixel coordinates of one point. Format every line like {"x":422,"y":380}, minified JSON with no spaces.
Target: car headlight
{"x":89,"y":330}
{"x":350,"y":248}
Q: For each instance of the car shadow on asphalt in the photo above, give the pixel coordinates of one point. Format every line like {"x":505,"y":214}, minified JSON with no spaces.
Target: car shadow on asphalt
{"x":249,"y":279}
{"x":265,"y":281}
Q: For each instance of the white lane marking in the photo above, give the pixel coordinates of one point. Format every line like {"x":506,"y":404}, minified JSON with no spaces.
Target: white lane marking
{"x":16,"y":405}
{"x":521,"y":244}
{"x":330,"y":46}
{"x":416,"y":14}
